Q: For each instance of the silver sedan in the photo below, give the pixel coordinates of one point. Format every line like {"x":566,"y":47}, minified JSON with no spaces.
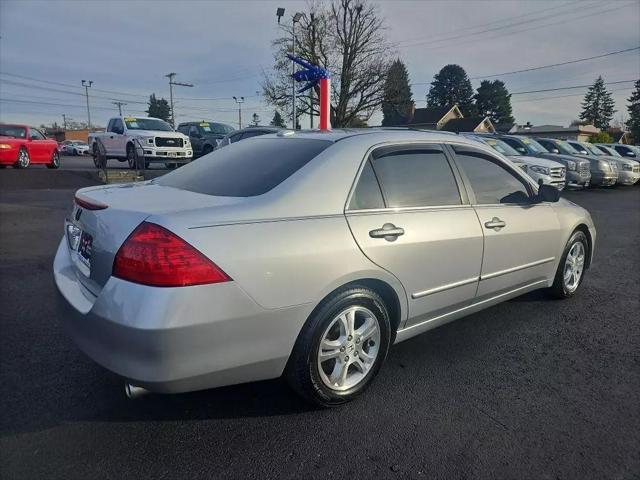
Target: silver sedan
{"x":306,"y":254}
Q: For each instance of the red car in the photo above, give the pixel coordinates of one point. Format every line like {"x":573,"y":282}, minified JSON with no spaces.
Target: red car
{"x":21,"y":146}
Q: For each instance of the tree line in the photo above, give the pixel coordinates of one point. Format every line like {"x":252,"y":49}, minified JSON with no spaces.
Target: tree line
{"x":347,"y":37}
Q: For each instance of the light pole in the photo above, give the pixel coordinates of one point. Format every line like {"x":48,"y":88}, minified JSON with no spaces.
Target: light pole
{"x":295,"y":19}
{"x":239,"y":101}
{"x":120,"y":105}
{"x":86,"y":84}
{"x":171,"y":76}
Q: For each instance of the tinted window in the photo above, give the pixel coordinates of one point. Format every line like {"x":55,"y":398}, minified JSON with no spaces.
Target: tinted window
{"x":245,"y":169}
{"x":252,"y":133}
{"x":512,"y":143}
{"x":35,"y":135}
{"x":109,"y":125}
{"x":183,"y":129}
{"x":193,"y":131}
{"x":549,"y":146}
{"x":235,"y":137}
{"x":416,"y":178}
{"x":367,"y":193}
{"x":117,"y":125}
{"x":491,"y":182}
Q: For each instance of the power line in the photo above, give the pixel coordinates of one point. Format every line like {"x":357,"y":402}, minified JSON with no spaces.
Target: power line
{"x":566,"y":96}
{"x":483,"y":25}
{"x":569,"y":62}
{"x":528,"y":21}
{"x":534,"y":27}
{"x":570,"y":88}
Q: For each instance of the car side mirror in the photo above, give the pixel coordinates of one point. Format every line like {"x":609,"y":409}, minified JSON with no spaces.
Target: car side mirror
{"x":555,"y":150}
{"x":547,"y":193}
{"x":522,"y":149}
{"x":630,"y":154}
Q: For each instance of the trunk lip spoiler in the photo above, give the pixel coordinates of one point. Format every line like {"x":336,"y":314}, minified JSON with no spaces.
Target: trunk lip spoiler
{"x":88,"y":203}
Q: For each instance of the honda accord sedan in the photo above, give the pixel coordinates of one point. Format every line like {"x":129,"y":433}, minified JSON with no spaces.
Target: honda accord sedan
{"x":306,"y":254}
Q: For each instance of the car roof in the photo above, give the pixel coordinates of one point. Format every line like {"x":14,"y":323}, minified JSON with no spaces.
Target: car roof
{"x":376,"y":135}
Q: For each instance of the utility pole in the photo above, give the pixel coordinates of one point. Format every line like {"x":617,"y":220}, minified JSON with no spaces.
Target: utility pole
{"x":64,"y":121}
{"x":120,"y":105}
{"x":295,"y":19}
{"x":86,"y":84}
{"x":171,"y":76}
{"x":239,"y":101}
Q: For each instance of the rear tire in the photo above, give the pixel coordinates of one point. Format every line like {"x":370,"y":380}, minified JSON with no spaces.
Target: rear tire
{"x":55,"y":161}
{"x":23,"y":158}
{"x":341,"y":347}
{"x":571,"y":268}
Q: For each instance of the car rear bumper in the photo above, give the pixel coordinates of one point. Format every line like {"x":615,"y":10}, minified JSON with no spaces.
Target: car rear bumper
{"x":171,"y":340}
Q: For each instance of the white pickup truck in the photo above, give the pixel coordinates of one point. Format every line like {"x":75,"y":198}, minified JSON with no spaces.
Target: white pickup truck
{"x":130,"y":138}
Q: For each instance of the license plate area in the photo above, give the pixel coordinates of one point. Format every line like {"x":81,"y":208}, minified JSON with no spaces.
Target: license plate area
{"x":85,"y":248}
{"x":171,"y":154}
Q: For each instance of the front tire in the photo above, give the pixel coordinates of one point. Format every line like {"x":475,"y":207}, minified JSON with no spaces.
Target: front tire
{"x":341,"y":347}
{"x":570,"y":271}
{"x":131,"y":157}
{"x":55,"y":161}
{"x":23,"y":158}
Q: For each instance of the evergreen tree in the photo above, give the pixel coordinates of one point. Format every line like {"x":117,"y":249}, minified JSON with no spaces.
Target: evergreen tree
{"x":634,"y":113}
{"x":450,"y":86}
{"x":494,"y":101}
{"x":159,"y":108}
{"x":598,"y":105}
{"x":397,"y":98}
{"x":277,"y":120}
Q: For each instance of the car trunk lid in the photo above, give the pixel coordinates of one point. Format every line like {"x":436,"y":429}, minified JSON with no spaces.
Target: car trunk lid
{"x":103,"y":218}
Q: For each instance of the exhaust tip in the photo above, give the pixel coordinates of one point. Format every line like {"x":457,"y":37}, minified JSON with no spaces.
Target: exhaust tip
{"x":133,"y":392}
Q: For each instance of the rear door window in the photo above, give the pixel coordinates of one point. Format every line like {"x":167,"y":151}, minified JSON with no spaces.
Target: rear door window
{"x":245,"y":169}
{"x":415,"y":177}
{"x":367,"y":194}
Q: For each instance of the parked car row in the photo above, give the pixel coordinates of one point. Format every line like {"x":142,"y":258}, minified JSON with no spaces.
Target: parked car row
{"x":571,"y":163}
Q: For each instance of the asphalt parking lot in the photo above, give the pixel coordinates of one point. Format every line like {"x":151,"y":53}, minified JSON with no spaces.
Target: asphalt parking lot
{"x":532,"y":388}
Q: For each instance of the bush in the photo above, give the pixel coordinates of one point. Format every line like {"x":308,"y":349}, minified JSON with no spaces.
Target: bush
{"x":602,"y":137}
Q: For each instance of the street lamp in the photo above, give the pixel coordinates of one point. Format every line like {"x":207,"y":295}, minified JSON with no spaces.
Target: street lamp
{"x":295,"y":19}
{"x":239,"y":101}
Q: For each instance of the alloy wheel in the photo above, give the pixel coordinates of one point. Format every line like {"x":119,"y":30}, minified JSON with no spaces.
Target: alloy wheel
{"x":23,"y":159}
{"x":574,"y":266}
{"x":348,"y":348}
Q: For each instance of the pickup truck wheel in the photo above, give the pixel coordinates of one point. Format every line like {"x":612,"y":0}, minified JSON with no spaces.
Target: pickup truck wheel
{"x":23,"y":158}
{"x":55,"y":160}
{"x":131,"y":156}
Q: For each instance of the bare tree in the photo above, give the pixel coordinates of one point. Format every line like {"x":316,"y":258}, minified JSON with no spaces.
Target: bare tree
{"x":348,"y":38}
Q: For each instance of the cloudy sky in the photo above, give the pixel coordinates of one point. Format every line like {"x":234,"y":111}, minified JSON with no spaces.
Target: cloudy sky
{"x":126,"y":48}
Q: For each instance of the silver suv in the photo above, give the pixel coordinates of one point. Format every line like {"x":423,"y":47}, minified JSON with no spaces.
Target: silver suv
{"x":578,"y":169}
{"x":307,"y":254}
{"x":604,"y":172}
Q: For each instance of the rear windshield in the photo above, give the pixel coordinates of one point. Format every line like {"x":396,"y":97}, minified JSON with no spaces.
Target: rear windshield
{"x":245,"y":169}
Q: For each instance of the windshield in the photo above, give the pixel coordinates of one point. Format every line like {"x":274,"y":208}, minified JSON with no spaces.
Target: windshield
{"x":147,"y":124}
{"x":10,"y":131}
{"x":609,"y":151}
{"x":592,"y":149}
{"x":564,"y":147}
{"x":215,"y":128}
{"x":245,"y":169}
{"x":502,"y":147}
{"x":534,"y":146}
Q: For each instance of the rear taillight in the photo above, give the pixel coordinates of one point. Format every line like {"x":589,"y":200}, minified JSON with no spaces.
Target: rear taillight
{"x":89,"y":203}
{"x":152,"y":255}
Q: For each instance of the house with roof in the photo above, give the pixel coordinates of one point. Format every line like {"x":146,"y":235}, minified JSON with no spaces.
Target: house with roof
{"x":580,"y":133}
{"x":469,"y":124}
{"x":432,"y":118}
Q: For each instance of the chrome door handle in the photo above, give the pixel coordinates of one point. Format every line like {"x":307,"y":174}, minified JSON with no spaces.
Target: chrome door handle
{"x":388,"y":231}
{"x":496,"y":224}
